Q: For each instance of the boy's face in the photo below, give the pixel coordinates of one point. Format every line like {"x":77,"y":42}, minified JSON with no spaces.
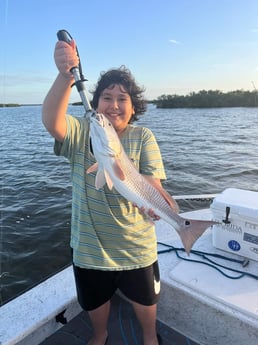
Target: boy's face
{"x":116,"y":104}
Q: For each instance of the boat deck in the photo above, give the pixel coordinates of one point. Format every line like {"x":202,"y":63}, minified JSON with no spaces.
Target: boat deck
{"x":199,"y":299}
{"x":123,"y":329}
{"x":198,"y":304}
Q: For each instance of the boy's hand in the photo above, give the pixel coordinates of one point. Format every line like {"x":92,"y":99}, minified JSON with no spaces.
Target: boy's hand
{"x":66,"y":57}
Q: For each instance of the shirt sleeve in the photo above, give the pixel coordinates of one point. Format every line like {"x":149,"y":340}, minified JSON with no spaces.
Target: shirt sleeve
{"x":74,"y":138}
{"x":151,"y":161}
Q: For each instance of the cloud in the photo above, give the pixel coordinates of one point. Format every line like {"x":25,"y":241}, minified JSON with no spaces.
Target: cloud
{"x":174,"y":42}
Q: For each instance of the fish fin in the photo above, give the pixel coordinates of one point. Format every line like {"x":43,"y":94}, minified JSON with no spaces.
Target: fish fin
{"x":108,"y":180}
{"x":192,"y":230}
{"x":92,"y":168}
{"x":103,"y":177}
{"x":100,"y":179}
{"x":118,"y":170}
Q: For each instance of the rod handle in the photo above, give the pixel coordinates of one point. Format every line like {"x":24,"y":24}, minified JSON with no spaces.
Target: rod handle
{"x":64,"y":35}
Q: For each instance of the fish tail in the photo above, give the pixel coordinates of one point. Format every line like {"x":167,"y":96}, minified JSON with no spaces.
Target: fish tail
{"x":192,"y":230}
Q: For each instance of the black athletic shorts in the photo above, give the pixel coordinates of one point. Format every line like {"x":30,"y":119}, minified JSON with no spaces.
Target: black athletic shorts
{"x":96,"y":287}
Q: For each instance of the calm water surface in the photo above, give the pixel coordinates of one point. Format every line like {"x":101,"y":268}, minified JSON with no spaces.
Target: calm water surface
{"x":204,"y":151}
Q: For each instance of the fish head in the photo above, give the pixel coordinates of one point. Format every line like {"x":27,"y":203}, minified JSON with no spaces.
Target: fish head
{"x":105,"y":140}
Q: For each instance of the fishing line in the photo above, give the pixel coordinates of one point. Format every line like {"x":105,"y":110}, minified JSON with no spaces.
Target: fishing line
{"x":211,"y":263}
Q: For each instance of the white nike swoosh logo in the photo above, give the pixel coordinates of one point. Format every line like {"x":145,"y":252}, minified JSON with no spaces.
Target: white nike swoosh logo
{"x":156,"y":286}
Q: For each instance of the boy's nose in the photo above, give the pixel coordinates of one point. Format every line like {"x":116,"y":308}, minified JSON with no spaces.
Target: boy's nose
{"x":115,"y":104}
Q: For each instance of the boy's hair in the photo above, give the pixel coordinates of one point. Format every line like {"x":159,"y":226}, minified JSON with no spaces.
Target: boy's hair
{"x":121,"y":76}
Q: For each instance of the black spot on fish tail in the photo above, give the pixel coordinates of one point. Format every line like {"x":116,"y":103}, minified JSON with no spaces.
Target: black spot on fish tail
{"x":192,"y":231}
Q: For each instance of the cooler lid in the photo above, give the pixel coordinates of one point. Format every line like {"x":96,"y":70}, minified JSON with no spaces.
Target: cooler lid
{"x":243,"y":202}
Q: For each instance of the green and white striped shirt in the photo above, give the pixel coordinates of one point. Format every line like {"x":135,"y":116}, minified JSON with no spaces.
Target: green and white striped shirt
{"x":107,"y":231}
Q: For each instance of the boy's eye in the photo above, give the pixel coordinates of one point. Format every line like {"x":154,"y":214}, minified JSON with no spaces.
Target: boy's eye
{"x":109,"y":99}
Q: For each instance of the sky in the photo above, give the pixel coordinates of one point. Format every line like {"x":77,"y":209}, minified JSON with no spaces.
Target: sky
{"x":170,"y":46}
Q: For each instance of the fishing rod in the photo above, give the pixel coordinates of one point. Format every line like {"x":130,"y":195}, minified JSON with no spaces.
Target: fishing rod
{"x":63,"y":35}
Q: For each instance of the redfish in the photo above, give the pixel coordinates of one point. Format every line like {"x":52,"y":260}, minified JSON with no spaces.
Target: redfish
{"x":116,"y":169}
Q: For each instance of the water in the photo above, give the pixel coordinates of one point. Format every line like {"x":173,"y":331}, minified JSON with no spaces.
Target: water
{"x":204,"y":151}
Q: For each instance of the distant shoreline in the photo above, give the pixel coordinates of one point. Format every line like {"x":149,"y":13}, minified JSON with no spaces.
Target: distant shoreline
{"x":13,"y":105}
{"x":8,"y":105}
{"x":209,"y":99}
{"x":201,"y":99}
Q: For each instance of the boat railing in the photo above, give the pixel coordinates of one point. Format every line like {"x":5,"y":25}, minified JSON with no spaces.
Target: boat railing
{"x":195,"y":197}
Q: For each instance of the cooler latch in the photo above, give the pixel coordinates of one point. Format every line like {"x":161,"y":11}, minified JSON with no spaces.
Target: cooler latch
{"x":226,"y":220}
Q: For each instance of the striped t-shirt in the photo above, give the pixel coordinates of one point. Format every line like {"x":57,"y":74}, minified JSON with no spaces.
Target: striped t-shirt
{"x":107,"y":231}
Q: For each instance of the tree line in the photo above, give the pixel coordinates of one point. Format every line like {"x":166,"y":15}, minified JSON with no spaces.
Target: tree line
{"x":6,"y":105}
{"x":209,"y":99}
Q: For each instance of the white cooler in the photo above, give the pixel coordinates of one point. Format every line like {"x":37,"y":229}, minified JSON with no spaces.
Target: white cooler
{"x":237,"y":212}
